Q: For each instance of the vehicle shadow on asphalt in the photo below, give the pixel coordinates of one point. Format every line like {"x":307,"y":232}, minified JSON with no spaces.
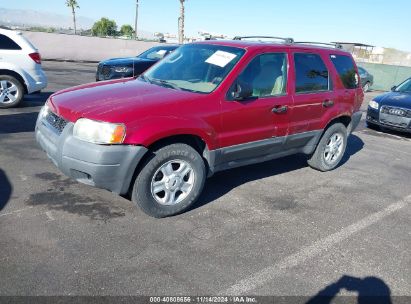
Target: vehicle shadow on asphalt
{"x":5,"y":189}
{"x":223,"y":182}
{"x":35,"y":100}
{"x":370,"y":290}
{"x":18,"y":120}
{"x":18,"y":123}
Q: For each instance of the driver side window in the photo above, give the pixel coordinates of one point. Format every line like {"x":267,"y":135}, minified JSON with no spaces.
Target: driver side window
{"x":266,"y":74}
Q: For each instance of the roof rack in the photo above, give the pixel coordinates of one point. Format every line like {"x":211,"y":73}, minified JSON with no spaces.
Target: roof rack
{"x":336,"y":45}
{"x":286,"y":40}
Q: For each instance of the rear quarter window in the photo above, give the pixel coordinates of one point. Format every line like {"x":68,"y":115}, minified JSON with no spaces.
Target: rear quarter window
{"x":311,"y":73}
{"x":346,"y":70}
{"x":8,"y":44}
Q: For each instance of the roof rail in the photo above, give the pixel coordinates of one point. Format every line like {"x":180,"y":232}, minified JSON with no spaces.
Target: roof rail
{"x":336,"y":45}
{"x":286,"y":40}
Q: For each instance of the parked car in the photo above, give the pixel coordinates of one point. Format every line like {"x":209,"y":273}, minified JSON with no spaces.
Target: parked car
{"x":392,"y":110}
{"x":132,"y":66}
{"x":207,"y":107}
{"x":367,"y":80}
{"x":20,"y":69}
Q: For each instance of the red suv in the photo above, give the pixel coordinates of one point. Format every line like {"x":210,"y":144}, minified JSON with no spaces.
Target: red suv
{"x":207,"y":107}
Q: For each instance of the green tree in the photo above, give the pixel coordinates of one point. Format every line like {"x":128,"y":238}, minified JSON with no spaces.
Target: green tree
{"x":127,"y":30}
{"x":104,"y":27}
{"x":73,"y":4}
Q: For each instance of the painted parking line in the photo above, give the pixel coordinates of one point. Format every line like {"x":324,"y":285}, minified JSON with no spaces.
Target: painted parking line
{"x":15,"y":211}
{"x":245,"y":286}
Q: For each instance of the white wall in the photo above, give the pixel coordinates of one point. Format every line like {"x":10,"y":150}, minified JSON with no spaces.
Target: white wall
{"x":81,"y":48}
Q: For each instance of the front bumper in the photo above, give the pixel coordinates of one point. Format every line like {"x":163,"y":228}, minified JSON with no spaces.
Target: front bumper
{"x":108,"y":167}
{"x":393,"y":122}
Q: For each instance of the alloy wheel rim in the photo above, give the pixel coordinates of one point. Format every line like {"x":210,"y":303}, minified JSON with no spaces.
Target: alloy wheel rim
{"x":8,"y":92}
{"x":333,"y":148}
{"x":172,"y":182}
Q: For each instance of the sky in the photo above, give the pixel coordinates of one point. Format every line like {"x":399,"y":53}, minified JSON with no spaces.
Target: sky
{"x":377,"y":22}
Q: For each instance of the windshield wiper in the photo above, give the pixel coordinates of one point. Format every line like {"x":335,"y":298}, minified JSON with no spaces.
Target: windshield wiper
{"x":166,"y":84}
{"x":145,"y":78}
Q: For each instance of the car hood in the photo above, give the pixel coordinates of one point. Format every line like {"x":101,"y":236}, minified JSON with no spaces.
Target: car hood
{"x":395,"y":99}
{"x":120,"y":101}
{"x":126,"y":61}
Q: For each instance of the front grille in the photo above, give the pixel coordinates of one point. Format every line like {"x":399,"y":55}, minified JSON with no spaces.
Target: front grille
{"x":106,"y":71}
{"x":396,"y":111}
{"x":56,"y":122}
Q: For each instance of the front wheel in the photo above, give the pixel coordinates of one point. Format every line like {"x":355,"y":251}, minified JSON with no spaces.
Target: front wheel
{"x":170,"y":181}
{"x":331,"y":148}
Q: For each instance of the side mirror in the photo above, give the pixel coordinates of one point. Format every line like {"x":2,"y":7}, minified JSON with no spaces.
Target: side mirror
{"x":242,"y":91}
{"x":393,"y":88}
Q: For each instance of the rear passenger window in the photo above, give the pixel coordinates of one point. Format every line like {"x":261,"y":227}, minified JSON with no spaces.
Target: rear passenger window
{"x":346,"y":70}
{"x":7,"y":44}
{"x":311,"y":73}
{"x":266,"y":74}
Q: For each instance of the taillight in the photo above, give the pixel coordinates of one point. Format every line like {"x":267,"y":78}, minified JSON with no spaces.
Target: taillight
{"x":36,"y":57}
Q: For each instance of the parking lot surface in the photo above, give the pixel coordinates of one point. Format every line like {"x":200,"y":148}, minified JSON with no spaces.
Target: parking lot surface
{"x":277,"y":228}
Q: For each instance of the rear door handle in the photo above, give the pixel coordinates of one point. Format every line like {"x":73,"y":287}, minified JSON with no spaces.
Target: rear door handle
{"x":280,"y":109}
{"x":328,"y":103}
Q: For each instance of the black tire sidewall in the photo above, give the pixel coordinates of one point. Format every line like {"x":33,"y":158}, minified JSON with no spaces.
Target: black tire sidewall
{"x":142,"y":187}
{"x":20,"y":89}
{"x":318,"y":161}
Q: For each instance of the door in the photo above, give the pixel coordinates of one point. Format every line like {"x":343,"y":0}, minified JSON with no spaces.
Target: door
{"x":312,"y":92}
{"x":256,"y":122}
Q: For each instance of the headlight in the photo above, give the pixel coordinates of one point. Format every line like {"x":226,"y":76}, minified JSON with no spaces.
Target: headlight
{"x":99,"y":132}
{"x":123,"y":69}
{"x":373,"y":104}
{"x":44,"y":111}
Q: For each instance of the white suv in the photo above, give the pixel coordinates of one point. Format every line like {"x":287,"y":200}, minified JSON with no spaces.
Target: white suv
{"x":20,"y":69}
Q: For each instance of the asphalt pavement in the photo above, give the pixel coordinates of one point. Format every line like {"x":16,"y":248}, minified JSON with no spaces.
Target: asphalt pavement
{"x":277,"y":228}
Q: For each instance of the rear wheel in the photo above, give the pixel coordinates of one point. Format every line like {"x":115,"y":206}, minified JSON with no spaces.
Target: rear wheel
{"x":170,"y":182}
{"x":331,"y":148}
{"x":11,"y":91}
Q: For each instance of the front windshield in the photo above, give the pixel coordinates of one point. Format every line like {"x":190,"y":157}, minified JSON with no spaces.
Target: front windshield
{"x":404,"y":87}
{"x":195,"y":67}
{"x":155,"y":53}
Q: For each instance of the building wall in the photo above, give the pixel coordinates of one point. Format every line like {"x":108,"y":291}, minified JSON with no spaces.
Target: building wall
{"x":83,"y":48}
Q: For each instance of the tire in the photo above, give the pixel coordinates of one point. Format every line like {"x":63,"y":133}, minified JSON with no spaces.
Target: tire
{"x":11,"y":91}
{"x":325,"y":161}
{"x":366,"y":87}
{"x":158,"y":188}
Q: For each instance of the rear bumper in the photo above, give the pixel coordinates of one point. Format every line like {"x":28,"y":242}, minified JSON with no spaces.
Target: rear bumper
{"x":108,"y":167}
{"x":36,"y":80}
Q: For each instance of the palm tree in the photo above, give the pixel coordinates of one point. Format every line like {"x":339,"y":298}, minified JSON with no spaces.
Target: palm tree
{"x":181,"y":23}
{"x":73,"y":4}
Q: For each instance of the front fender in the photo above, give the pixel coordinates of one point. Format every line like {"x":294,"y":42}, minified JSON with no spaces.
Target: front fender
{"x":152,"y":129}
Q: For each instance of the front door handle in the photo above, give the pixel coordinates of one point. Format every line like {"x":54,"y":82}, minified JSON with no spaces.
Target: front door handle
{"x":280,"y":109}
{"x":328,"y":103}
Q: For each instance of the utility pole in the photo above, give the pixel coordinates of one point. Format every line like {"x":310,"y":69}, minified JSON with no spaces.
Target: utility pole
{"x":136,"y":20}
{"x":181,"y":23}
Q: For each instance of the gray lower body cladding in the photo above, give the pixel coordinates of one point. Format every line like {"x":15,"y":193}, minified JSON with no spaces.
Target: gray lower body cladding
{"x":108,"y":167}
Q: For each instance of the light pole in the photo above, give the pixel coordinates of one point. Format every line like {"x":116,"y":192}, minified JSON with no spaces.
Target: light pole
{"x":135,"y":22}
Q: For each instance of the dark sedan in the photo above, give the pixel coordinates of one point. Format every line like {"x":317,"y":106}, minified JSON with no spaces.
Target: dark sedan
{"x":367,"y":79}
{"x":132,"y":66}
{"x":392,"y":110}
